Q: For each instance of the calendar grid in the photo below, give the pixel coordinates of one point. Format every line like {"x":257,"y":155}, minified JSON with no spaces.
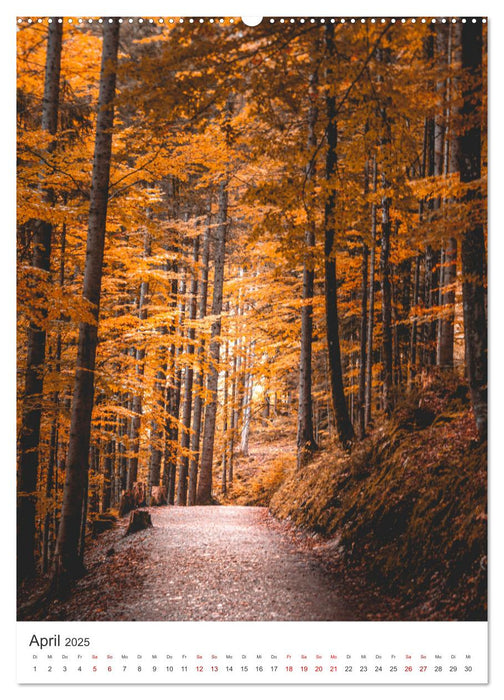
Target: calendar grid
{"x":194,"y":652}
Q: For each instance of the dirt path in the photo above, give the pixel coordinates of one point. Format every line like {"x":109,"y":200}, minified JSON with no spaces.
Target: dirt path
{"x":203,"y":563}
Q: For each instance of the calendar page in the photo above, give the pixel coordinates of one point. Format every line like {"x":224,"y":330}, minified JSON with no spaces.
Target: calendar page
{"x":251,"y":348}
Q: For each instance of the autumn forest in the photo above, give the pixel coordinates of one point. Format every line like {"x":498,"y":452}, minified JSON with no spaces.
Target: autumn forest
{"x":251,"y":271}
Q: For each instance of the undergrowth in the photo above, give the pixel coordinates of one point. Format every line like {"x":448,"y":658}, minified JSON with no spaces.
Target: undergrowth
{"x":408,"y":503}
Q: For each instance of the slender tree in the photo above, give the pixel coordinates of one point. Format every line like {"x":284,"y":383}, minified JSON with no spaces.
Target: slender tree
{"x":446,"y":322}
{"x":188,"y":386}
{"x":139,"y":352}
{"x":305,"y":440}
{"x":204,"y":489}
{"x":34,"y":376}
{"x":67,"y":564}
{"x":473,"y":241}
{"x":199,"y":378}
{"x":343,"y":423}
{"x":370,"y":325}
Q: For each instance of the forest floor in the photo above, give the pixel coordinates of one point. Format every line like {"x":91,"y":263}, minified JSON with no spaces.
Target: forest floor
{"x":400,"y":522}
{"x":257,"y":477}
{"x":204,"y":563}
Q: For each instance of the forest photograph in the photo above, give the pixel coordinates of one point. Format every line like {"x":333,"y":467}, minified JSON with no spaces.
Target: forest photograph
{"x":251,"y":318}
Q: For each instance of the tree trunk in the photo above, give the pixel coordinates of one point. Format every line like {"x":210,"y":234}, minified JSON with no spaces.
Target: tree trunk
{"x":52,"y":468}
{"x":306,"y":444}
{"x":343,"y":423}
{"x":247,"y":403}
{"x":121,"y":456}
{"x":451,"y":158}
{"x":156,"y":452}
{"x":108,"y":474}
{"x":137,"y":398}
{"x":204,"y":490}
{"x":473,"y":242}
{"x":188,"y":386}
{"x":172,"y":397}
{"x":67,"y":563}
{"x":363,"y":329}
{"x":234,"y":412}
{"x":199,"y":379}
{"x":225,"y":419}
{"x":414,"y":324}
{"x":370,"y":328}
{"x":36,"y":341}
{"x":386,"y":307}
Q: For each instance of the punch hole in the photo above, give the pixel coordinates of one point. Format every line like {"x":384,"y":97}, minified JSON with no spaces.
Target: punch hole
{"x":251,"y":21}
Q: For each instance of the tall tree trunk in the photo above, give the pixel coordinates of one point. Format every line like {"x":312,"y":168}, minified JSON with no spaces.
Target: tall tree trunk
{"x":451,"y":158}
{"x":199,"y":379}
{"x":430,"y":301}
{"x":414,"y":323}
{"x":363,"y":329}
{"x":386,"y":305}
{"x":122,"y":424}
{"x":188,"y":386}
{"x":247,"y":402}
{"x":204,"y":490}
{"x":306,"y":444}
{"x":174,"y":393}
{"x":156,"y":439}
{"x":234,"y":412}
{"x":343,"y":423}
{"x":49,"y":492}
{"x":108,"y":474}
{"x":172,"y":396}
{"x":52,"y":467}
{"x":370,"y":328}
{"x":140,"y":360}
{"x":473,"y":242}
{"x":363,"y":324}
{"x":29,"y":439}
{"x":225,"y":424}
{"x":396,"y":341}
{"x":67,"y":563}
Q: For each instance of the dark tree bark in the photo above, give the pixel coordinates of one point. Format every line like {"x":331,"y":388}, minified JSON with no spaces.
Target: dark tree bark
{"x":138,"y":520}
{"x":122,"y":424}
{"x":361,"y":402}
{"x":204,"y":489}
{"x":370,"y":328}
{"x":414,"y":323}
{"x":449,"y":268}
{"x":137,"y":398}
{"x":28,"y":448}
{"x":156,"y":452}
{"x":429,"y":302}
{"x":108,"y":474}
{"x":417,"y":340}
{"x":473,"y":252}
{"x":67,"y":564}
{"x":343,"y":423}
{"x":306,"y":444}
{"x":52,"y":467}
{"x":199,"y":378}
{"x":225,"y":408}
{"x":363,"y":332}
{"x":172,"y":398}
{"x":188,"y":385}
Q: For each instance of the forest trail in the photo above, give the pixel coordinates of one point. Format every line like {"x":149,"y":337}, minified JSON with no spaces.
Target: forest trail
{"x":203,"y":563}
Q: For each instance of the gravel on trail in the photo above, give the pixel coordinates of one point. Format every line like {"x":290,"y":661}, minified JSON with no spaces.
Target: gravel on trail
{"x":203,"y":563}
